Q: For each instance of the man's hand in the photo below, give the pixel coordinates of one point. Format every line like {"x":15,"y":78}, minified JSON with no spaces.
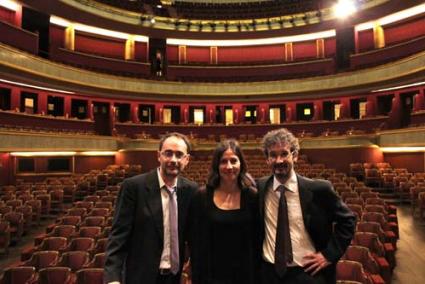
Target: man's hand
{"x":314,"y":262}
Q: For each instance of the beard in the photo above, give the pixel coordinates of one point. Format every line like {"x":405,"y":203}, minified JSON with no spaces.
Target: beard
{"x":171,"y":170}
{"x":282,"y":171}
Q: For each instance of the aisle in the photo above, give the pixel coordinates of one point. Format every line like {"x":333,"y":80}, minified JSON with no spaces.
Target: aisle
{"x":410,"y":253}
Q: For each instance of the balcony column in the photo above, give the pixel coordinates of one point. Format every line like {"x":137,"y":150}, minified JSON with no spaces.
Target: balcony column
{"x":371,"y":106}
{"x":210,"y":113}
{"x":112,"y":119}
{"x":378,"y":36}
{"x":318,"y":112}
{"x":290,"y":112}
{"x":69,"y":39}
{"x":394,"y":119}
{"x":90,"y":106}
{"x":320,"y":48}
{"x":42,"y":103}
{"x":18,"y":16}
{"x":130,"y":47}
{"x":419,"y":101}
{"x":15,"y":99}
{"x":134,"y":112}
{"x":263,"y":110}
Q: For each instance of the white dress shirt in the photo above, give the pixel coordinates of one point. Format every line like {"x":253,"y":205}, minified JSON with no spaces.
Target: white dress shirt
{"x":165,"y":198}
{"x":300,"y":239}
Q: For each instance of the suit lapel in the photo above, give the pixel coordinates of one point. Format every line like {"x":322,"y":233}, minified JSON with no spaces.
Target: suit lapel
{"x":305,"y":200}
{"x":181,"y":204}
{"x":154,"y":201}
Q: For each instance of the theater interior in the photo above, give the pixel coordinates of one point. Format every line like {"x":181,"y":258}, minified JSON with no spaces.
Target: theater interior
{"x":88,"y":87}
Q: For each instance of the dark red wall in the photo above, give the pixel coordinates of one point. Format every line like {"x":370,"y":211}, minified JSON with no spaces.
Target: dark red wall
{"x":251,"y":53}
{"x":148,"y":159}
{"x":5,"y":166}
{"x":84,"y":164}
{"x":365,"y":40}
{"x":304,"y":50}
{"x":397,"y":32}
{"x":102,"y":46}
{"x":197,"y":54}
{"x":413,"y":162}
{"x":7,"y":16}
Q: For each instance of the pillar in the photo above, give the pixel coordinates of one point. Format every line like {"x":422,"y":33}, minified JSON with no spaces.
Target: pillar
{"x":130,"y":47}
{"x":134,"y":112}
{"x":320,"y":48}
{"x":371,"y":106}
{"x":15,"y":99}
{"x":69,"y":38}
{"x":378,"y":36}
{"x":42,"y":103}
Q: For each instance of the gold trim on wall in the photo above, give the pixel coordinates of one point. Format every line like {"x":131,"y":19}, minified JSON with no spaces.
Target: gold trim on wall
{"x":182,"y":54}
{"x":69,"y":38}
{"x":213,"y":55}
{"x":378,"y":36}
{"x":289,"y":52}
{"x":320,"y":48}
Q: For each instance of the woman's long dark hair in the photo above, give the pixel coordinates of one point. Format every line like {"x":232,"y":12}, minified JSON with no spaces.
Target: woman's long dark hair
{"x":214,"y":178}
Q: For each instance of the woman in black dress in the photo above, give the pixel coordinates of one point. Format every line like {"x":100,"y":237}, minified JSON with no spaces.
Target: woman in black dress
{"x":224,"y":218}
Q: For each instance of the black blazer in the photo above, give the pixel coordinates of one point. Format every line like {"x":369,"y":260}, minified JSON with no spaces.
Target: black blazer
{"x":328,"y":221}
{"x":135,"y":243}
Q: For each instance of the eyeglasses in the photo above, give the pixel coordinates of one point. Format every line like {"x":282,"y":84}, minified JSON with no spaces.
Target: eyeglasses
{"x":273,"y":156}
{"x":168,"y":154}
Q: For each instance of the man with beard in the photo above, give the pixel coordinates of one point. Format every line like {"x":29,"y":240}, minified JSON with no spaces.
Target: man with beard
{"x":146,"y":244}
{"x":306,"y":227}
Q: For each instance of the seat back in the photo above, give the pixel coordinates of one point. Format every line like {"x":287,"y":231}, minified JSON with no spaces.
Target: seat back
{"x":75,"y":260}
{"x":90,"y":275}
{"x":18,"y":274}
{"x":54,"y":275}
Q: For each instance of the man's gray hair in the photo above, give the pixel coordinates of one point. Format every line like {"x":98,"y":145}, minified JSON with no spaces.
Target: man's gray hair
{"x":280,"y":136}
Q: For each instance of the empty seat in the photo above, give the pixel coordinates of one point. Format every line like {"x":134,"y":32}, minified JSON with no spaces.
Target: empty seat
{"x":48,"y":244}
{"x":81,"y":244}
{"x":98,"y":261}
{"x":90,"y":275}
{"x":16,"y":222}
{"x":75,"y":260}
{"x":4,"y":236}
{"x":19,"y":274}
{"x":362,"y":255}
{"x":55,"y":275}
{"x":42,"y":259}
{"x":90,"y":232}
{"x":352,"y":271}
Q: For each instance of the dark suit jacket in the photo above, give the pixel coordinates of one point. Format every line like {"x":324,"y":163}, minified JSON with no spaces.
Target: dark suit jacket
{"x":135,"y":243}
{"x":328,"y":221}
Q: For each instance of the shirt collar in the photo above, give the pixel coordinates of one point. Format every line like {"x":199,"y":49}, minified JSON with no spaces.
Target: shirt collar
{"x":291,"y":184}
{"x":162,"y":183}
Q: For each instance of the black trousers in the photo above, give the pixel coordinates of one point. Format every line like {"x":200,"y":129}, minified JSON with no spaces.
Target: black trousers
{"x":168,"y":279}
{"x":293,"y":275}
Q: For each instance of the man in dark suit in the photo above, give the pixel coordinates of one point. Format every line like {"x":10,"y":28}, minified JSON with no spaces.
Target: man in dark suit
{"x":146,"y":244}
{"x":307,"y":227}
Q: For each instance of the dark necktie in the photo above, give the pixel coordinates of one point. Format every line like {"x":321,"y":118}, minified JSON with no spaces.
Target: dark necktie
{"x":174,"y":232}
{"x":283,"y":246}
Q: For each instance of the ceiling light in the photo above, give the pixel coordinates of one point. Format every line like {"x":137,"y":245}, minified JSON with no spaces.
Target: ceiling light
{"x":344,"y":8}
